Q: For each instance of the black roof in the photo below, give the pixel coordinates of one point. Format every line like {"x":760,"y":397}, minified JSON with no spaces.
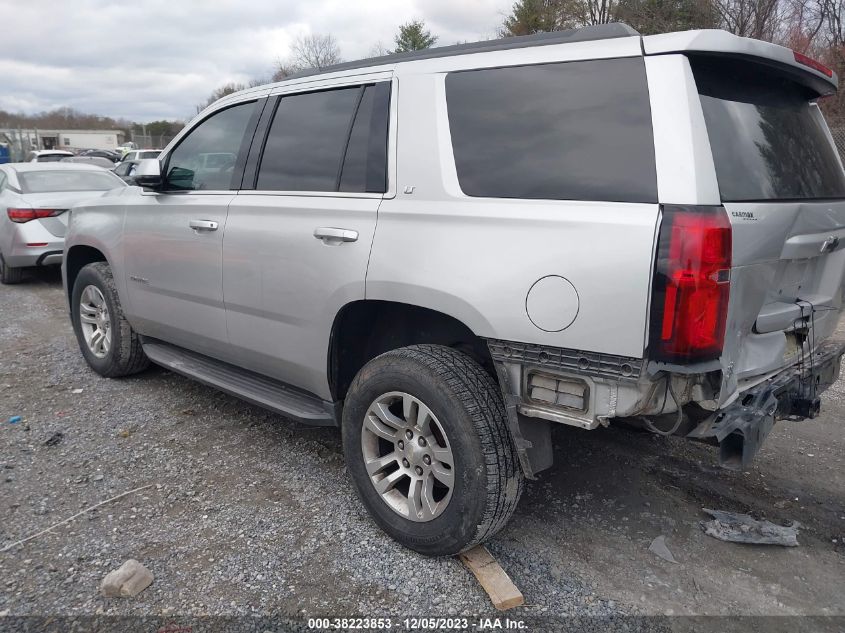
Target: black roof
{"x":585,"y":34}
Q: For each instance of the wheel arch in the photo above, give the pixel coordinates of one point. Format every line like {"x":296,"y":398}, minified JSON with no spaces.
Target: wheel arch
{"x":76,"y":258}
{"x":367,"y":328}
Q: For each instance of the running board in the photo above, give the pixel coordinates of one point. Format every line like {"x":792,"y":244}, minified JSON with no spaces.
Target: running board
{"x":265,"y":392}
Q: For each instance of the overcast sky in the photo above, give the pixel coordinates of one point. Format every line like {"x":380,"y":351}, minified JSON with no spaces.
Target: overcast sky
{"x":153,"y":59}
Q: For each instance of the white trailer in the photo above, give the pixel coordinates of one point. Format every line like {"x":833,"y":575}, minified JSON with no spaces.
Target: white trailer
{"x":87,"y":139}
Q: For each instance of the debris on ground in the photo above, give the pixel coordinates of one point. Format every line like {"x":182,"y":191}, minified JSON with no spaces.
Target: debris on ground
{"x":658,"y":547}
{"x":15,"y":419}
{"x":76,"y":390}
{"x":743,"y":528}
{"x":127,"y":581}
{"x":55,"y":438}
{"x":69,"y":519}
{"x":498,"y":585}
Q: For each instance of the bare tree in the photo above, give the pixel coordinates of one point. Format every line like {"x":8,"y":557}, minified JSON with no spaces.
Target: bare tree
{"x":759,"y":19}
{"x":316,"y":50}
{"x":219,"y":93}
{"x":283,"y":71}
{"x":803,"y":21}
{"x":599,"y":12}
{"x":379,"y":50}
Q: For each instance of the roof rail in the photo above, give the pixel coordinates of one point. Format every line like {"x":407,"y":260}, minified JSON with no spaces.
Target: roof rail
{"x":584,"y":34}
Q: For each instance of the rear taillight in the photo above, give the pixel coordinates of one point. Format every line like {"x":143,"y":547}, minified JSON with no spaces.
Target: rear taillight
{"x":25,"y":215}
{"x":691,"y":286}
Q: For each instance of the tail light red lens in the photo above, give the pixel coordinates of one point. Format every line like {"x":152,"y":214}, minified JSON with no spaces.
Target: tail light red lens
{"x":691,"y":286}
{"x":25,"y":215}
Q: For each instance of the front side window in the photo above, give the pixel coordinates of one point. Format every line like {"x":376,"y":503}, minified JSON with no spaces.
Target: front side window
{"x":328,"y":141}
{"x":563,"y":131}
{"x":205,"y":159}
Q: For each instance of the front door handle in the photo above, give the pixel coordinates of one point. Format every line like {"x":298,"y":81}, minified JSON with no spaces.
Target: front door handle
{"x":203,"y":225}
{"x":331,"y":235}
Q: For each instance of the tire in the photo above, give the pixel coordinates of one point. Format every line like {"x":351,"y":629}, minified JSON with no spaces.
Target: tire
{"x":9,"y":275}
{"x":466,"y":405}
{"x":124,"y":355}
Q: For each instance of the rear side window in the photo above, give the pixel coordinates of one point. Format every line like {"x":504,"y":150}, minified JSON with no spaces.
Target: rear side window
{"x":564,"y":131}
{"x":365,"y":163}
{"x":335,"y":140}
{"x":769,"y":140}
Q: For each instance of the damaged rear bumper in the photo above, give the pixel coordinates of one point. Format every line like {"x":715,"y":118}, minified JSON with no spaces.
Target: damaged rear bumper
{"x":741,"y":427}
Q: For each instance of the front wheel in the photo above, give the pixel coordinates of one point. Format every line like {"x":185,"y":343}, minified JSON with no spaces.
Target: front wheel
{"x":106,"y":339}
{"x":428,"y":449}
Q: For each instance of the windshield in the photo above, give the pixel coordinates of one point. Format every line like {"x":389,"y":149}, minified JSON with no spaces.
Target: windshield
{"x":768,"y":138}
{"x":149,"y":154}
{"x":66,"y":180}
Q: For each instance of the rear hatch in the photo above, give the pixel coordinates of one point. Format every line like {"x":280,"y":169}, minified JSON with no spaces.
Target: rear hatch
{"x":782,"y":184}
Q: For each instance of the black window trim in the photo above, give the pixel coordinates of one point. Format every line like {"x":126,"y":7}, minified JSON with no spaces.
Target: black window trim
{"x":240,"y":161}
{"x":250,"y":180}
{"x":349,"y":127}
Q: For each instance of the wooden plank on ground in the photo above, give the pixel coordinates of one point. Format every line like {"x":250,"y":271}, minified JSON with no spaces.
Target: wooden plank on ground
{"x":493,"y":578}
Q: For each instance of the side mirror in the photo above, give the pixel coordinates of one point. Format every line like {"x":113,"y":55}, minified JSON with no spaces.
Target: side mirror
{"x":148,"y":174}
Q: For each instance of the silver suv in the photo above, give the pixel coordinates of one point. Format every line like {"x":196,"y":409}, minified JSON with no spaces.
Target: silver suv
{"x":446,"y":252}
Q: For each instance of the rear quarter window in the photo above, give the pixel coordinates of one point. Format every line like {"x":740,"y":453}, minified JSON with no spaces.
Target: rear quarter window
{"x":564,"y":131}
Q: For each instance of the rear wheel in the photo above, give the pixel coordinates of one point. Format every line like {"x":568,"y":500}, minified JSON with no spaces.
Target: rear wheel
{"x":428,"y":449}
{"x":109,"y":344}
{"x":8,"y":274}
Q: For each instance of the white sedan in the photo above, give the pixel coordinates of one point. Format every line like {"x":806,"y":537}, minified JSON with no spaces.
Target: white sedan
{"x":34,"y":199}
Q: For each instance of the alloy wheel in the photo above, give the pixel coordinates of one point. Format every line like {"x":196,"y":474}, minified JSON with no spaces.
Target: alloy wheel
{"x":95,"y":321}
{"x":407,"y":456}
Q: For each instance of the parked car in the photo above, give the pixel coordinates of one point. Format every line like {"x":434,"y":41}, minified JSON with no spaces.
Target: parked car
{"x":126,"y":170}
{"x":47,"y":155}
{"x":123,"y":148}
{"x":96,"y":161}
{"x":101,"y":153}
{"x":447,"y":252}
{"x":34,"y":203}
{"x":139,"y":154}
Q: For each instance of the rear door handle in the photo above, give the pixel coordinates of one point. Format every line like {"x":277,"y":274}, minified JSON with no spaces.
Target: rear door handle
{"x":331,"y":235}
{"x":203,"y":225}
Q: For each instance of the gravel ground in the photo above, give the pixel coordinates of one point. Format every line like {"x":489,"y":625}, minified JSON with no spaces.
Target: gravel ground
{"x":248,"y":514}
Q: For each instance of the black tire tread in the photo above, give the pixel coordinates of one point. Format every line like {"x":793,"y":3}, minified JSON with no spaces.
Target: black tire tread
{"x":129,"y":358}
{"x":9,"y":275}
{"x":481,"y":398}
